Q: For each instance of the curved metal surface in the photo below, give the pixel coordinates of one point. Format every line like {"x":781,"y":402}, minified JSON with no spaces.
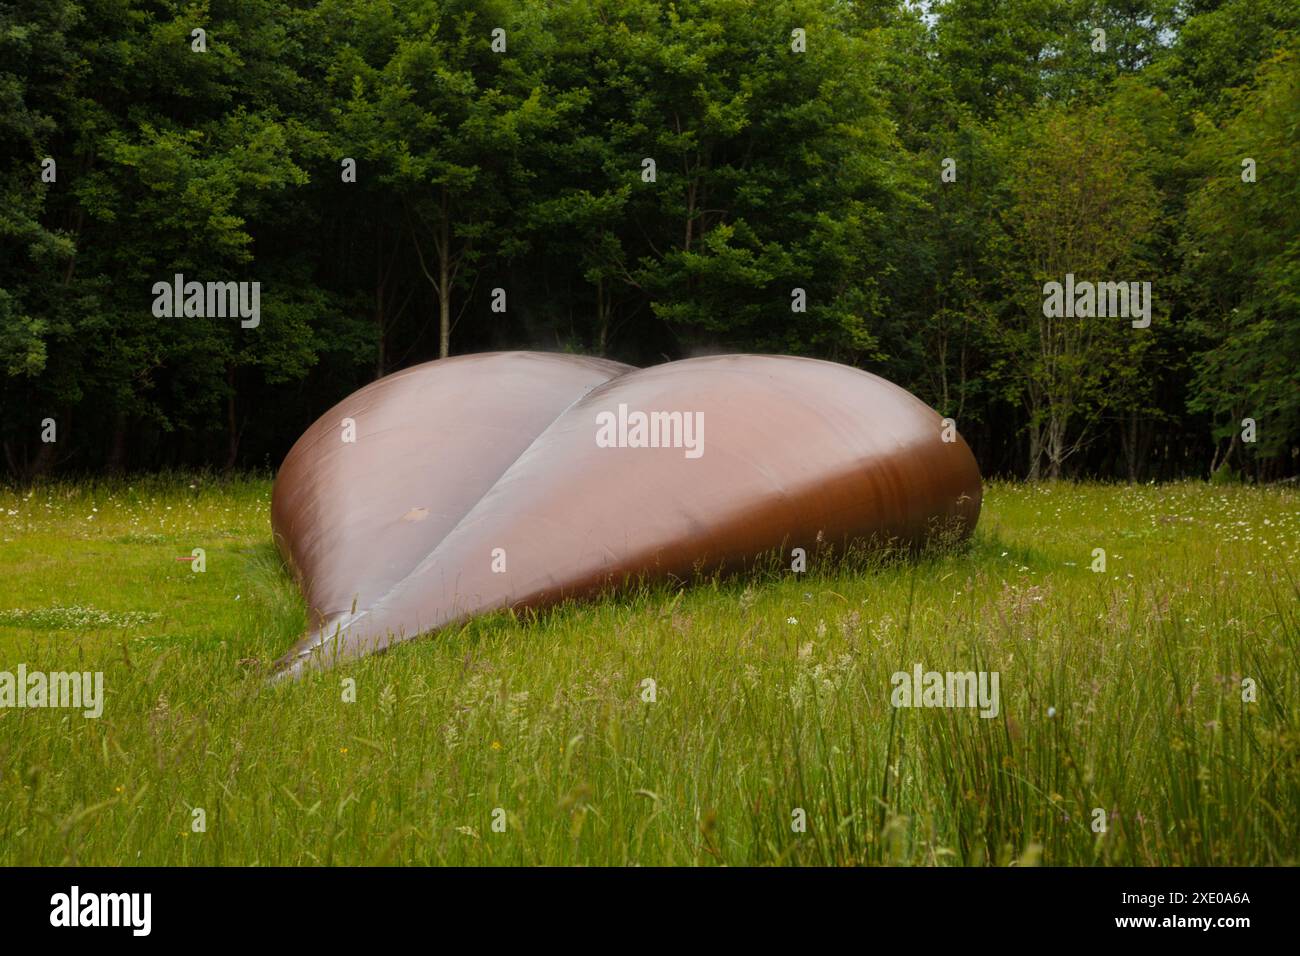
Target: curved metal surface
{"x":794,"y":453}
{"x":353,"y":518}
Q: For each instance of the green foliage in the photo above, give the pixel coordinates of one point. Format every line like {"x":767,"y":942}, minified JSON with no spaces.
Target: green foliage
{"x":1243,"y":262}
{"x":778,"y":167}
{"x":1081,"y":202}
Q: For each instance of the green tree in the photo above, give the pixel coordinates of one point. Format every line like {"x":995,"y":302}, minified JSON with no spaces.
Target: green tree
{"x":1081,"y":202}
{"x":1242,"y":261}
{"x":445,"y":123}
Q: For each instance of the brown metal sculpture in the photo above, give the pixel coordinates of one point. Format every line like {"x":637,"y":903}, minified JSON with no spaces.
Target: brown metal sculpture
{"x":521,"y":479}
{"x":372,"y":487}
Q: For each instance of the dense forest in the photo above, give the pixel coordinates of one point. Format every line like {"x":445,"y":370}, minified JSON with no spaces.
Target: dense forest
{"x":890,"y":185}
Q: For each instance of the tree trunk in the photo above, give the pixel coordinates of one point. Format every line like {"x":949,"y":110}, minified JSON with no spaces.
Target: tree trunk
{"x":444,"y":283}
{"x":1226,"y":462}
{"x":380,"y":284}
{"x":1035,"y":451}
{"x":232,"y":427}
{"x":1057,"y":449}
{"x":116,"y":463}
{"x":43,"y":461}
{"x":1054,"y":456}
{"x":602,"y":318}
{"x":441,"y":284}
{"x":444,"y":322}
{"x":1128,"y":440}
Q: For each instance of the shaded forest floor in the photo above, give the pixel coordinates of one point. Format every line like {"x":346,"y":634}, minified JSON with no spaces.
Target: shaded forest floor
{"x":1121,"y":699}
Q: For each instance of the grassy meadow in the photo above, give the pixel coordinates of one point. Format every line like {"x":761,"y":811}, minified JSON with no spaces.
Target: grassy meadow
{"x":1120,"y":690}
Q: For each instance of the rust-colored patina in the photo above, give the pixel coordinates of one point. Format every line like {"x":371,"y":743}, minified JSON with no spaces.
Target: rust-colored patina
{"x":352,"y":518}
{"x":790,"y":453}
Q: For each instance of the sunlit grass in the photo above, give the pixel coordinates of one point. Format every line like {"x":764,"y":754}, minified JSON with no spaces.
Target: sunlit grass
{"x":1120,"y":690}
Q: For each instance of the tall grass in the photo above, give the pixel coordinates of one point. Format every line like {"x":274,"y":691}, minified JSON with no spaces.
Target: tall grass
{"x":1121,"y":691}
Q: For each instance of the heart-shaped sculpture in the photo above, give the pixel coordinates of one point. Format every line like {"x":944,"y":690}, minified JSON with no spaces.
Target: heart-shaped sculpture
{"x":520,"y":479}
